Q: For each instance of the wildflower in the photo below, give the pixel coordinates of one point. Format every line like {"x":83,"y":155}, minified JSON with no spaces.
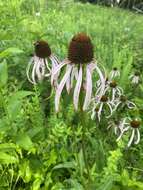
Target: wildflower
{"x":80,"y":64}
{"x":39,"y":62}
{"x":133,"y":125}
{"x":37,"y":14}
{"x":135,"y":78}
{"x":114,"y":90}
{"x":123,"y":100}
{"x":99,"y":106}
{"x":114,"y":73}
{"x":117,"y":125}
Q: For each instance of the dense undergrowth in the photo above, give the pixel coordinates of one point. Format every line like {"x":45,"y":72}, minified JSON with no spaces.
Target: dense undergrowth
{"x":42,"y":150}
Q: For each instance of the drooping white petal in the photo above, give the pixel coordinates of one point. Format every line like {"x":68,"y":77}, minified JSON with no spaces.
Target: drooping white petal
{"x":77,"y":89}
{"x":131,"y":105}
{"x":93,"y":115}
{"x":56,"y":70}
{"x":28,"y":72}
{"x":60,"y":88}
{"x":37,"y":70}
{"x":131,"y":138}
{"x":113,"y":95}
{"x":102,"y":81}
{"x":116,"y":105}
{"x":68,"y":82}
{"x":122,"y":132}
{"x":138,"y":136}
{"x":88,"y":89}
{"x":111,"y":110}
{"x":119,"y":90}
{"x":47,"y":65}
{"x":99,"y":112}
{"x":73,"y":74}
{"x":33,"y":73}
{"x":55,"y":63}
{"x":91,"y":67}
{"x":56,"y":59}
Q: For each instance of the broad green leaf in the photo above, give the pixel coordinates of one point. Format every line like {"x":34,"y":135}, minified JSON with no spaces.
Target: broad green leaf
{"x":65,"y":165}
{"x":81,"y":162}
{"x":6,"y":158}
{"x":14,"y":109}
{"x":7,"y":146}
{"x":19,"y":95}
{"x":3,"y":73}
{"x":75,"y":184}
{"x":3,"y":125}
{"x":36,"y":184}
{"x":107,"y":185}
{"x":10,"y":51}
{"x":24,"y":141}
{"x":15,"y":103}
{"x":25,"y":171}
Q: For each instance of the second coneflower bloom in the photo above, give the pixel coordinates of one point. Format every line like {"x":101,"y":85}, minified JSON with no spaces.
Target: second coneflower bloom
{"x":80,"y":65}
{"x":38,"y":67}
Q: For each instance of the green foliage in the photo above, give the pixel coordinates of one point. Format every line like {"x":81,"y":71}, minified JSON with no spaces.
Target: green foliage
{"x":40,"y":150}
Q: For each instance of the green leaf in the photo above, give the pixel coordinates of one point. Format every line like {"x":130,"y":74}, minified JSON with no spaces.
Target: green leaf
{"x":65,"y":165}
{"x":24,"y":141}
{"x":7,"y":146}
{"x":15,"y":103}
{"x":20,"y":95}
{"x":3,"y":73}
{"x":25,"y":171}
{"x":10,"y":51}
{"x":14,"y":109}
{"x":107,"y":185}
{"x":6,"y":158}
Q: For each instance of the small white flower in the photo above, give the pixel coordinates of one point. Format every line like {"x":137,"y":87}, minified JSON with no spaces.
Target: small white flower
{"x":118,"y":126}
{"x":38,"y":67}
{"x":133,"y":126}
{"x":135,"y":78}
{"x":114,"y":73}
{"x":37,"y":14}
{"x":127,"y":29}
{"x":113,"y":90}
{"x":98,"y":107}
{"x":123,"y":101}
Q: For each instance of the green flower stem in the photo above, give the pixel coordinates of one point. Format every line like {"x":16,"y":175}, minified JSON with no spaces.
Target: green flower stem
{"x":83,"y":120}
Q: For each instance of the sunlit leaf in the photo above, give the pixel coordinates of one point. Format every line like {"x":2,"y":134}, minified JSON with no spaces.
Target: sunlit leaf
{"x":10,"y":51}
{"x":3,"y":73}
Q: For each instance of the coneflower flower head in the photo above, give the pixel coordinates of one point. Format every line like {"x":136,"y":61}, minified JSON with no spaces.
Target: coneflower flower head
{"x":98,"y":107}
{"x":80,"y":65}
{"x":133,"y":126}
{"x":40,"y":63}
{"x":80,"y":49}
{"x":135,"y":78}
{"x":123,"y":101}
{"x":114,"y":73}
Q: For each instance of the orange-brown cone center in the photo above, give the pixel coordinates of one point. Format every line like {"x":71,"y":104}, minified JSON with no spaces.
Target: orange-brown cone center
{"x":42,"y":49}
{"x":80,"y":49}
{"x":135,"y":123}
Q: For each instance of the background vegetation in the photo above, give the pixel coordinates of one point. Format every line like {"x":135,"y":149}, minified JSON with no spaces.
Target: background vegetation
{"x":40,"y":150}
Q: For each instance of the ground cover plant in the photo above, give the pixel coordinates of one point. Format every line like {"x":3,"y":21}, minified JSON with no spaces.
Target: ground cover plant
{"x":42,"y":149}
